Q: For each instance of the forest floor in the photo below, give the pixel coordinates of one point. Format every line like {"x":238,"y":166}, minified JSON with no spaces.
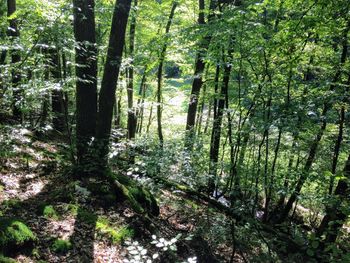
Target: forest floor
{"x":71,"y":225}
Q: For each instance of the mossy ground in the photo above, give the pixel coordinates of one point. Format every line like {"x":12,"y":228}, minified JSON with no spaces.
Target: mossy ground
{"x":15,"y":235}
{"x":61,"y":246}
{"x":115,"y":235}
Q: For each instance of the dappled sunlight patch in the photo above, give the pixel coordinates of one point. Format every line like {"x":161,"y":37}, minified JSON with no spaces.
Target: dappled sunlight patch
{"x":14,"y":188}
{"x":106,"y":253}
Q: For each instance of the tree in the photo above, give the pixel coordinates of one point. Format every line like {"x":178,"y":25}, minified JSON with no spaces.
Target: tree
{"x":13,"y":33}
{"x":86,"y":73}
{"x":132,"y":120}
{"x":160,"y":73}
{"x":110,"y":77}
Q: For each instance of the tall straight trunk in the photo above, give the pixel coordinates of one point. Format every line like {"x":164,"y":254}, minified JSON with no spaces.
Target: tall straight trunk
{"x":308,"y":76}
{"x":216,"y":130}
{"x":313,"y":148}
{"x":130,"y":87}
{"x":86,"y":73}
{"x":200,"y":112}
{"x":57,"y":96}
{"x":208,"y":118}
{"x":140,"y":103}
{"x":160,"y":74}
{"x":3,"y":55}
{"x":149,"y":119}
{"x":337,"y":148}
{"x":13,"y":33}
{"x":198,"y":70}
{"x":336,"y":216}
{"x":45,"y":106}
{"x":110,"y":77}
{"x":257,"y":175}
{"x":269,"y":188}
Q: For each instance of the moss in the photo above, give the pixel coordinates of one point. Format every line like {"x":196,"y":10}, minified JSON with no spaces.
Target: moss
{"x":11,"y":204}
{"x":72,"y":209}
{"x":116,"y":236}
{"x":14,"y":236}
{"x":6,"y":260}
{"x":50,"y":212}
{"x":61,"y":246}
{"x":140,"y":199}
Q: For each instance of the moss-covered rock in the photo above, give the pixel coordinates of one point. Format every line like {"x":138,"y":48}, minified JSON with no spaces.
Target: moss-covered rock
{"x":141,"y":199}
{"x":15,"y":236}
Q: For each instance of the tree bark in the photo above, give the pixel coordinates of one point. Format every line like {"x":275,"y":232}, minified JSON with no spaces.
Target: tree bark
{"x":216,"y":131}
{"x":110,"y":77}
{"x":199,"y":68}
{"x":86,"y":73}
{"x":13,"y":33}
{"x":132,"y":121}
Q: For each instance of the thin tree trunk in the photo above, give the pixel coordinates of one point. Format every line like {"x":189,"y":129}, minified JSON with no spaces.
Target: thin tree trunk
{"x":130,"y":87}
{"x":140,"y":103}
{"x":150,"y":118}
{"x":216,"y":131}
{"x":160,"y":74}
{"x":337,"y":148}
{"x":336,"y":216}
{"x":198,"y":71}
{"x":57,"y":96}
{"x":313,"y":149}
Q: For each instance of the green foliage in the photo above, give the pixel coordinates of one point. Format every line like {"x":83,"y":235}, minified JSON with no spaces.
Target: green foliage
{"x":86,"y":216}
{"x":6,"y":260}
{"x":14,"y":235}
{"x":61,"y":246}
{"x":49,"y":212}
{"x":116,"y":236}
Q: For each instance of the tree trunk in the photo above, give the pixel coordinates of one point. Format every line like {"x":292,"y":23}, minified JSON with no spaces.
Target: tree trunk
{"x":160,"y":74}
{"x":313,"y":149}
{"x":337,"y":148}
{"x":140,"y":103}
{"x":86,"y":73}
{"x":198,"y":71}
{"x":57,"y":96}
{"x":13,"y":33}
{"x":130,"y":87}
{"x":216,"y":131}
{"x":336,"y":216}
{"x":110,"y":77}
